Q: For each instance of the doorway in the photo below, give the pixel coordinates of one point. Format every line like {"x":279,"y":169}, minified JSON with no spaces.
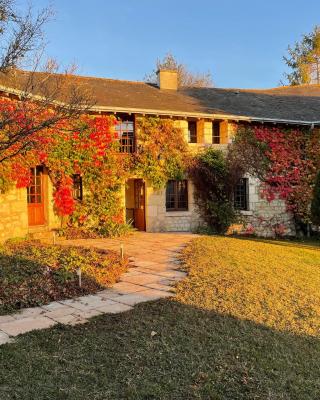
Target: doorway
{"x":135,"y":203}
{"x":35,"y":197}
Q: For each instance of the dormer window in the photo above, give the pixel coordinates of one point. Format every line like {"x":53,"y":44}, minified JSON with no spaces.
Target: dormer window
{"x":192,"y":132}
{"x":216,"y":139}
{"x":125,"y":131}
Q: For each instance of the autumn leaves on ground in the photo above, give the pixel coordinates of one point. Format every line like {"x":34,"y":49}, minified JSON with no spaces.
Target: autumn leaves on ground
{"x":244,"y":325}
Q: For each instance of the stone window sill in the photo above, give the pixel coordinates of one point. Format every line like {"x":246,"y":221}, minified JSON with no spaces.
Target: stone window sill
{"x":178,"y":213}
{"x":246,"y":212}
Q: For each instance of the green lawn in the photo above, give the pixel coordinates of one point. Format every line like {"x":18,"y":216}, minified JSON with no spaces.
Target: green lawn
{"x":244,"y":325}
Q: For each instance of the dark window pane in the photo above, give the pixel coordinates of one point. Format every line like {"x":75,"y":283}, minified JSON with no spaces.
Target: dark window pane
{"x":34,"y":191}
{"x":125,"y":133}
{"x":216,"y":132}
{"x":77,"y":187}
{"x":241,"y":195}
{"x":192,"y":132}
{"x":177,"y":195}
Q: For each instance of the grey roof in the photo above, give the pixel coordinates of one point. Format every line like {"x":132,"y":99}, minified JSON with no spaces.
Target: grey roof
{"x":293,"y":103}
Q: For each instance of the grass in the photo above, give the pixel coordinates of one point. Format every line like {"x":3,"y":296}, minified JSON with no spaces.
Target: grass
{"x":33,"y":274}
{"x":227,"y":335}
{"x":276,"y":284}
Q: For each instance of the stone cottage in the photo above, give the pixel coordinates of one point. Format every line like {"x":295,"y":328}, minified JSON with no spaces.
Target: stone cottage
{"x":207,"y":116}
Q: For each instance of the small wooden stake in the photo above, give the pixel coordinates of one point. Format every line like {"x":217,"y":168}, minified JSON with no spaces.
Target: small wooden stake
{"x":54,"y":237}
{"x":79,"y":275}
{"x":121,"y":251}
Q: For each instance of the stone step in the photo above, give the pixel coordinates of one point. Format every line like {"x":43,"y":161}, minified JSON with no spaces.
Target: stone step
{"x":44,"y":236}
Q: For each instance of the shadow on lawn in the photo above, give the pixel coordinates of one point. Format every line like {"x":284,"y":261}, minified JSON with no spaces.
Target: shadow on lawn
{"x":161,"y":350}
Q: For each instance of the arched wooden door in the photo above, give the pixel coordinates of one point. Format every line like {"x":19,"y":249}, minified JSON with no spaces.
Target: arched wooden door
{"x":35,"y":198}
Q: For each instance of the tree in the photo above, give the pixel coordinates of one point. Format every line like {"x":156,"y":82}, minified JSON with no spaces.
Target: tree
{"x":304,"y":60}
{"x":186,"y":78}
{"x":315,"y":205}
{"x":214,"y":176}
{"x":40,"y":100}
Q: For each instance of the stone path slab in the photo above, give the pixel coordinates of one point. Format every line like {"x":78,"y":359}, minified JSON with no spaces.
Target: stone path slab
{"x":153,"y":264}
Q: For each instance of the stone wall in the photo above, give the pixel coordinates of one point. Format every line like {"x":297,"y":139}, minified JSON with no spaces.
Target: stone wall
{"x":160,"y":220}
{"x":264,"y":218}
{"x":13,"y":214}
{"x":53,"y":221}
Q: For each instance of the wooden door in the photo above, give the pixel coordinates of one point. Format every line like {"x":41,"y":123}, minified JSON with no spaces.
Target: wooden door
{"x":139,"y":205}
{"x":35,"y":197}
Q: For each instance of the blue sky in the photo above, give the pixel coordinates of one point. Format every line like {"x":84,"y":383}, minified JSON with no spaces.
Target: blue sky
{"x":240,"y":42}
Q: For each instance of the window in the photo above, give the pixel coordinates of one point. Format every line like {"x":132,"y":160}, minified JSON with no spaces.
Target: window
{"x":216,"y":132}
{"x":177,"y":195}
{"x":241,"y":194}
{"x":77,"y":187}
{"x":125,"y":132}
{"x":192,"y":132}
{"x":34,"y":190}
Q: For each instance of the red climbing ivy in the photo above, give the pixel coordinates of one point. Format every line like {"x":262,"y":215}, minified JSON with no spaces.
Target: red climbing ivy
{"x":286,"y":159}
{"x":86,"y":146}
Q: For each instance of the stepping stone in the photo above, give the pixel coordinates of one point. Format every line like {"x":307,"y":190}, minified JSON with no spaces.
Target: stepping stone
{"x":24,"y":325}
{"x":96,"y":301}
{"x":173,"y":274}
{"x":60,"y":312}
{"x":127,"y":287}
{"x":55,"y":305}
{"x":6,"y":318}
{"x":143,"y":263}
{"x":141,"y":297}
{"x":87,"y":314}
{"x":160,"y":286}
{"x":4,"y":338}
{"x":71,"y":320}
{"x":140,"y":279}
{"x":114,"y":308}
{"x":81,"y":305}
{"x":29,"y":313}
{"x":108,"y":294}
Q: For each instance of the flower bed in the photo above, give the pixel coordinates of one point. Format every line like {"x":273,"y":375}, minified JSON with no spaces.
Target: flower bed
{"x":32,"y":274}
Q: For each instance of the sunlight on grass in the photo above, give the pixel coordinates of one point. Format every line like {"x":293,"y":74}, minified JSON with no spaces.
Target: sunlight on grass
{"x":276,"y":284}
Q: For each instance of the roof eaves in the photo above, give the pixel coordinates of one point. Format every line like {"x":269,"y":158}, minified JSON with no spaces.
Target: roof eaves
{"x":230,"y":117}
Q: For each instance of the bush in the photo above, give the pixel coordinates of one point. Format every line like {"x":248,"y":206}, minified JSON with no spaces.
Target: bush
{"x":32,"y":274}
{"x":214,"y":183}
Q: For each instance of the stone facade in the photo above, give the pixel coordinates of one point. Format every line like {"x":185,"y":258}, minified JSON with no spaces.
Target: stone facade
{"x":13,"y":214}
{"x":160,"y":220}
{"x":264,"y":218}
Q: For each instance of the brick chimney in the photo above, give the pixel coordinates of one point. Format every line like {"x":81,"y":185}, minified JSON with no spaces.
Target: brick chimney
{"x":167,"y":79}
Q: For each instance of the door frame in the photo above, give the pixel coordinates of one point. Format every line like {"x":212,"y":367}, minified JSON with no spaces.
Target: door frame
{"x":44,"y":191}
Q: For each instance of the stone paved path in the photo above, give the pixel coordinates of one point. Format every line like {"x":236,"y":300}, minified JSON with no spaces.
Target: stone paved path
{"x":153,"y":270}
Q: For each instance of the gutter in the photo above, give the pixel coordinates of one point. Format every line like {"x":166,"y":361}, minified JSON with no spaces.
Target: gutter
{"x":228,"y":117}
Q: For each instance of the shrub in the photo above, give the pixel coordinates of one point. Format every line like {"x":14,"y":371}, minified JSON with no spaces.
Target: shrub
{"x":214,"y":182}
{"x":33,"y":274}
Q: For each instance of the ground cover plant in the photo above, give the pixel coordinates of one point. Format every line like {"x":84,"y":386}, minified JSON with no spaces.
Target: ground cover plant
{"x":32,"y":274}
{"x":244,"y":325}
